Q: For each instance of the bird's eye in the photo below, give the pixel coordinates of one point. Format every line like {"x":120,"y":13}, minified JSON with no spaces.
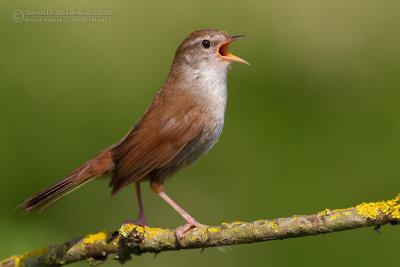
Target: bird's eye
{"x":206,"y":43}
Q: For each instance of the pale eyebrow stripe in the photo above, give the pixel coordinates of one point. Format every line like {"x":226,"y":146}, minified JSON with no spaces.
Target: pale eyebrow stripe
{"x":211,"y":38}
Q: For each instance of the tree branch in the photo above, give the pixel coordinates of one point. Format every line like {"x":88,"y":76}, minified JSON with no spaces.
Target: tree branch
{"x":133,"y":239}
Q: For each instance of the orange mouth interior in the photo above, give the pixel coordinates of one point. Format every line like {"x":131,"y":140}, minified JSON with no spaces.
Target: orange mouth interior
{"x":223,"y":52}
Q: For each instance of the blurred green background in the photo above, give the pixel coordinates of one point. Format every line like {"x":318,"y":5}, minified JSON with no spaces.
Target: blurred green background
{"x":313,"y":123}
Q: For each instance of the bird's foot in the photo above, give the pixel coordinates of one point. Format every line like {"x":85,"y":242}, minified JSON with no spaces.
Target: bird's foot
{"x":181,"y":230}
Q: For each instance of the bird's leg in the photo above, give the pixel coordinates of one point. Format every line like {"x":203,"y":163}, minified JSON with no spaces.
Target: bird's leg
{"x":141,"y":219}
{"x":190,"y":221}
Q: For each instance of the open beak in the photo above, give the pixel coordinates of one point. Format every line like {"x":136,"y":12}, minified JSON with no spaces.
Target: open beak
{"x":223,"y":50}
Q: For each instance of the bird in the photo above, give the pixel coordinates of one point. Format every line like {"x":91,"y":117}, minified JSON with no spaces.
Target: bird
{"x":183,"y":122}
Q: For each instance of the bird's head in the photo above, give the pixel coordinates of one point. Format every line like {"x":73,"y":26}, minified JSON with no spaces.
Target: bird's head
{"x":207,"y":49}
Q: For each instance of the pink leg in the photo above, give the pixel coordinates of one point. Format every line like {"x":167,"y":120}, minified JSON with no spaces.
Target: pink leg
{"x":141,"y":219}
{"x":190,"y":221}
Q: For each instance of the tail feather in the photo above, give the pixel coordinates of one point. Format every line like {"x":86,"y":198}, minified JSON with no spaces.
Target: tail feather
{"x":77,"y":178}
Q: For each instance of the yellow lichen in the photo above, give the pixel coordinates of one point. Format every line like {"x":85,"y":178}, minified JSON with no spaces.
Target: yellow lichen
{"x":343,"y":210}
{"x":203,"y":232}
{"x":375,"y":210}
{"x":334,"y":216}
{"x":233,"y":223}
{"x":335,"y":213}
{"x":274,"y":226}
{"x":20,"y":260}
{"x":125,"y":229}
{"x":199,"y":233}
{"x":213,"y":229}
{"x":15,"y":258}
{"x":96,"y":238}
{"x":99,"y":238}
{"x":150,"y":232}
{"x":128,"y":228}
{"x":326,"y":212}
{"x":294,"y":218}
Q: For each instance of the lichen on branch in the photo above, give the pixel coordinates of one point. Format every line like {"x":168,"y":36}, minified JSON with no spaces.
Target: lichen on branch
{"x":134,"y":240}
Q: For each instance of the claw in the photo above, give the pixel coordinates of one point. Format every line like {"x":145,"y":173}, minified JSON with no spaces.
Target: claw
{"x":183,"y":229}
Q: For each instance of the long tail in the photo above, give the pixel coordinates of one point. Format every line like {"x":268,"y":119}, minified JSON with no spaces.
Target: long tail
{"x":77,"y":178}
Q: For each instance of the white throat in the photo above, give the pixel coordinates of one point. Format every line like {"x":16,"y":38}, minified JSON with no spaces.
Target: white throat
{"x":210,"y":82}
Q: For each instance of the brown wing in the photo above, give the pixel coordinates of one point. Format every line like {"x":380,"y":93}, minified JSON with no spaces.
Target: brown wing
{"x":169,"y":124}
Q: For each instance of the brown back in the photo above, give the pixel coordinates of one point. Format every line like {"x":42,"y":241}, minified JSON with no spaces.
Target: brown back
{"x":173,"y":119}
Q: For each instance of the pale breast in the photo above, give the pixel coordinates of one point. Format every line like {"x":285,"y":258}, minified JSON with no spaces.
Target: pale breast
{"x":215,"y":104}
{"x":211,"y":94}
